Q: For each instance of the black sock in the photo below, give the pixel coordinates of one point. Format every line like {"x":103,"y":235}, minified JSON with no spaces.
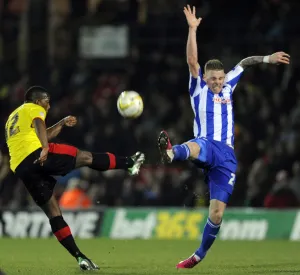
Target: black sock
{"x":107,"y":161}
{"x":63,"y":234}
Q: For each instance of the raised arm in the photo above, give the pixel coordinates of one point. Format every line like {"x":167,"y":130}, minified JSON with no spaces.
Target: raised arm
{"x":54,"y":130}
{"x":44,"y":135}
{"x":275,"y":58}
{"x":191,"y":47}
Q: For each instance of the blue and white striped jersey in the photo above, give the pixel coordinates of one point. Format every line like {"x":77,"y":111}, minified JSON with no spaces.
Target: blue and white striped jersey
{"x":213,"y":112}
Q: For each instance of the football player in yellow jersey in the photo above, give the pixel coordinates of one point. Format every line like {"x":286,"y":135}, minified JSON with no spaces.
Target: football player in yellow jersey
{"x":35,"y":161}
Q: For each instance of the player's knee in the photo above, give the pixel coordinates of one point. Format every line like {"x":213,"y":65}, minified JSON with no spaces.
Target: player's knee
{"x":194,"y":149}
{"x":83,"y":158}
{"x":216,"y":215}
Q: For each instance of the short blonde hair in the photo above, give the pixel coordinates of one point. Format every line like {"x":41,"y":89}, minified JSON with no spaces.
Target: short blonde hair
{"x":214,"y":64}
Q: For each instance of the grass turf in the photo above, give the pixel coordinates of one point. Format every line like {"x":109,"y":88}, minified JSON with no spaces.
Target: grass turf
{"x":45,"y":256}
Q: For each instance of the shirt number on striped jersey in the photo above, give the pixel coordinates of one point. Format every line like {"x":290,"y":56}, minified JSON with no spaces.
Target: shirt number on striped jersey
{"x":232,"y":179}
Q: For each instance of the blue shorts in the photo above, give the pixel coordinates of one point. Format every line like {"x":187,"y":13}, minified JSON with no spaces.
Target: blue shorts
{"x":216,"y":193}
{"x":219,"y":163}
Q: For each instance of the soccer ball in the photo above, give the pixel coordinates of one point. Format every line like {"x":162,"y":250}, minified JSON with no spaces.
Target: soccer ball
{"x":130,"y":104}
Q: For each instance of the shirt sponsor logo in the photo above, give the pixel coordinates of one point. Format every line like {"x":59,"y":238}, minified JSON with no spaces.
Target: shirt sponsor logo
{"x":221,"y":99}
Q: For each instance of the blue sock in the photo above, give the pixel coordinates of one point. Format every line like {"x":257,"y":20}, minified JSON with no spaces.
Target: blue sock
{"x":181,"y":152}
{"x":209,"y":235}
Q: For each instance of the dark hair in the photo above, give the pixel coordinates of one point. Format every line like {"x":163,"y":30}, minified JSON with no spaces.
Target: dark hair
{"x":34,"y":93}
{"x":213,"y":64}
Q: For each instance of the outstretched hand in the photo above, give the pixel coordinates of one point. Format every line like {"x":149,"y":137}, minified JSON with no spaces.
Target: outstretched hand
{"x":280,"y":58}
{"x":191,"y":18}
{"x":70,"y":121}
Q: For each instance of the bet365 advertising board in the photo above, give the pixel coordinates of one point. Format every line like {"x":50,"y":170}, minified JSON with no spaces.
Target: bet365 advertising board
{"x":153,"y":223}
{"x":238,"y":224}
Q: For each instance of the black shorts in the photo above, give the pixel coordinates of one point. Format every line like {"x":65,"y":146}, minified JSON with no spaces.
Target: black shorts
{"x":38,"y":179}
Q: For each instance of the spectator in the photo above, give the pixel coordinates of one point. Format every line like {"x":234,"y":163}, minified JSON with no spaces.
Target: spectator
{"x":281,"y":194}
{"x":75,"y":196}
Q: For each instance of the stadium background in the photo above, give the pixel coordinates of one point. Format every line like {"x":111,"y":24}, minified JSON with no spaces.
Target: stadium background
{"x":86,"y":52}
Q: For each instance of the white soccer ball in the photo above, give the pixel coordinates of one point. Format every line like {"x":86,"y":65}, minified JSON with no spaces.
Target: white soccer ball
{"x":130,"y":104}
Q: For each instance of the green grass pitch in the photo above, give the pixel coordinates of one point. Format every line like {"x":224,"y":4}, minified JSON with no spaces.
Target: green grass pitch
{"x":46,"y":256}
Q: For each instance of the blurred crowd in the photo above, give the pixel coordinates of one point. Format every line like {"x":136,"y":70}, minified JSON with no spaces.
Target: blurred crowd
{"x":266,"y":101}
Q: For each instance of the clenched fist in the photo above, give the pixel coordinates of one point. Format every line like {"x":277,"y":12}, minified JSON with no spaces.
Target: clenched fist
{"x":70,"y":121}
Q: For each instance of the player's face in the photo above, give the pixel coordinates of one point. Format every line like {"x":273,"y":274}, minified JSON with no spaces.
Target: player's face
{"x":214,"y":80}
{"x":44,"y":102}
